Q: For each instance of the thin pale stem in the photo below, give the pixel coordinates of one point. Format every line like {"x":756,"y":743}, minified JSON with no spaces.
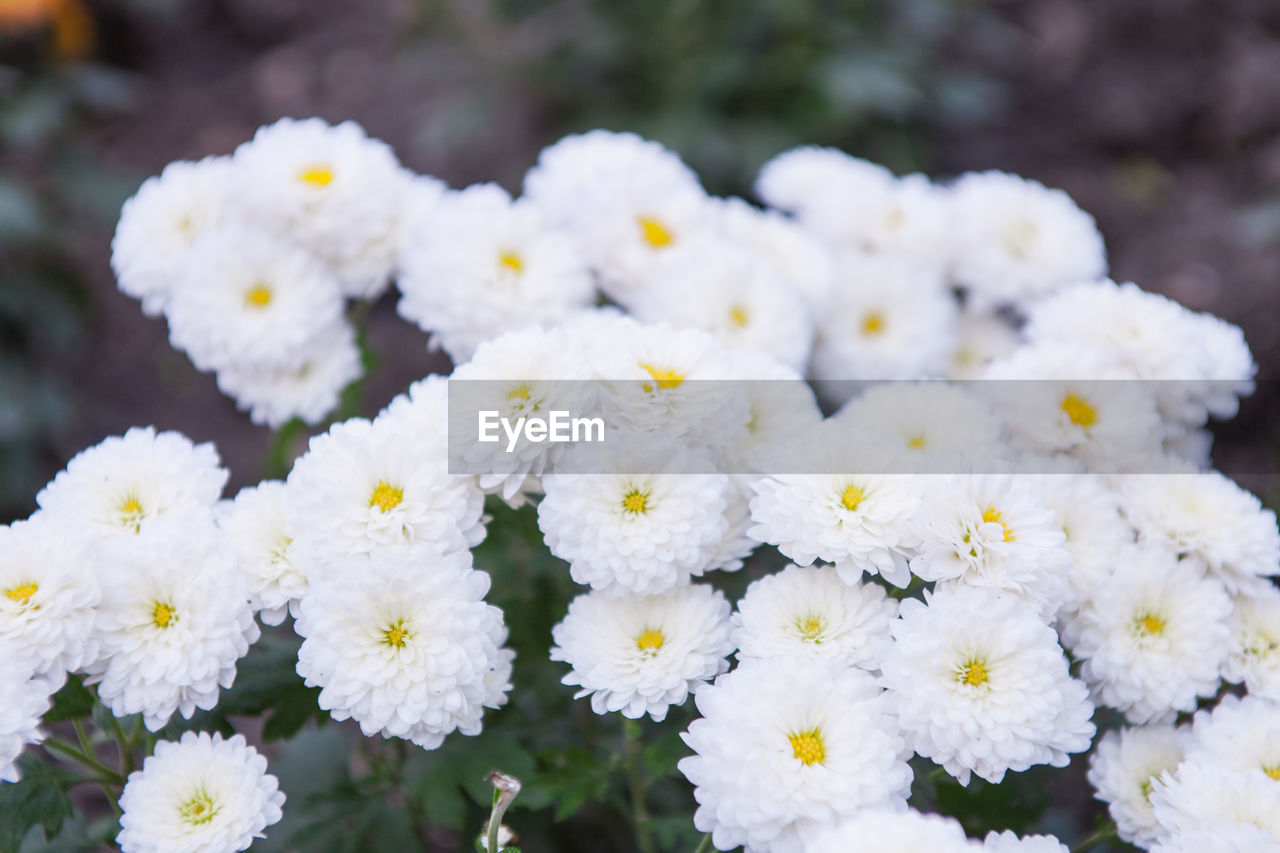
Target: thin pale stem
{"x":704,"y":845}
{"x":505,"y":789}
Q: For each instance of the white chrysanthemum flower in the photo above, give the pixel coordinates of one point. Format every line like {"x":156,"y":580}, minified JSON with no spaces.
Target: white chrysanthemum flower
{"x":330,"y":188}
{"x":803,"y":263}
{"x":1156,"y":338}
{"x":641,"y":533}
{"x":254,"y":525}
{"x":1123,"y":769}
{"x":787,"y":746}
{"x":124,"y":481}
{"x":812,"y":611}
{"x":308,"y":390}
{"x":1016,"y":239}
{"x":1059,"y":398}
{"x":642,"y":654}
{"x":201,"y":794}
{"x":161,"y":222}
{"x":730,"y":292}
{"x":1009,"y":842}
{"x":780,"y":406}
{"x":1255,"y":643}
{"x":852,"y":203}
{"x":48,"y":592}
{"x":980,"y":340}
{"x":1207,"y":516}
{"x":1220,"y":800}
{"x":526,"y":374}
{"x":422,"y":411}
{"x":937,"y":420}
{"x":174,"y":619}
{"x":422,"y":204}
{"x":362,"y":487}
{"x":857,"y":518}
{"x":1089,"y":514}
{"x":1240,"y":733}
{"x":910,"y":831}
{"x":888,"y":319}
{"x":980,"y":684}
{"x":251,"y":300}
{"x":406,"y":648}
{"x":1223,"y":838}
{"x":482,"y":265}
{"x":1154,"y":638}
{"x":23,"y":701}
{"x":627,"y":200}
{"x":992,"y":531}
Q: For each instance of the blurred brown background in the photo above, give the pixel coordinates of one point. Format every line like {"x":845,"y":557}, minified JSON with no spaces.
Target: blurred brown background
{"x":1162,"y":119}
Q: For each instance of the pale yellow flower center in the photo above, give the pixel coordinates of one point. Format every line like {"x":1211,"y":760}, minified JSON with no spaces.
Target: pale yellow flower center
{"x":316,"y":176}
{"x":664,"y":377}
{"x":131,"y":513}
{"x":163,"y":615}
{"x":1273,"y":771}
{"x":851,"y":497}
{"x":808,"y":746}
{"x":386,"y":497}
{"x":1149,"y":624}
{"x":973,"y":672}
{"x":258,"y":296}
{"x":198,"y":809}
{"x":395,"y":635}
{"x":1078,"y":411}
{"x":810,"y":627}
{"x":872,"y":324}
{"x":654,"y":232}
{"x":738,"y":316}
{"x":511,"y":261}
{"x":650,"y":641}
{"x":636,"y":501}
{"x":916,"y":442}
{"x":21,"y":593}
{"x":993,"y":515}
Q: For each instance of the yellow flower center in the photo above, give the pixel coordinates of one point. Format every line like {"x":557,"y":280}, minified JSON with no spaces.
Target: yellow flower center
{"x":386,"y":497}
{"x":131,"y":513}
{"x":21,"y":593}
{"x":1273,"y":771}
{"x":872,"y":324}
{"x":1148,"y":624}
{"x":650,"y":641}
{"x":316,"y":176}
{"x":993,"y":515}
{"x":973,"y":672}
{"x":665,"y":378}
{"x":851,"y":497}
{"x":808,"y":747}
{"x":635,"y":501}
{"x":1078,"y":411}
{"x":198,"y":809}
{"x":811,"y":627}
{"x":521,"y":393}
{"x":738,"y":316}
{"x":916,"y":442}
{"x":1022,"y":236}
{"x":395,"y":635}
{"x":163,"y":615}
{"x":258,"y":296}
{"x":511,"y":261}
{"x":655,"y":233}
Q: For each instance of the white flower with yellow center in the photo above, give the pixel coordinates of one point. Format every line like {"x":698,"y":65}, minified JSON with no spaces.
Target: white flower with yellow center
{"x":308,"y":389}
{"x":1010,"y":842}
{"x":1155,"y":637}
{"x":980,"y":340}
{"x":483,"y":265}
{"x":249,"y":299}
{"x":254,"y":526}
{"x":161,"y":222}
{"x":729,"y":291}
{"x":118,"y":485}
{"x":200,"y":794}
{"x":888,"y":319}
{"x":790,"y":745}
{"x":1123,"y":770}
{"x":936,"y":423}
{"x":811,"y":611}
{"x":642,"y":654}
{"x":879,"y":831}
{"x":1220,"y":802}
{"x":23,"y":701}
{"x":636,"y":533}
{"x":1207,"y":516}
{"x":406,"y":648}
{"x":1015,"y":239}
{"x":980,"y":685}
{"x":1255,"y":643}
{"x":802,"y":262}
{"x":48,"y":591}
{"x":363,"y":487}
{"x":174,"y":619}
{"x":1240,"y":733}
{"x":330,"y":188}
{"x":780,"y":405}
{"x":992,"y":531}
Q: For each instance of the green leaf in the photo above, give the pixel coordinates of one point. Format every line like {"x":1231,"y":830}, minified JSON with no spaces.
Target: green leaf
{"x":74,"y":701}
{"x":39,"y":799}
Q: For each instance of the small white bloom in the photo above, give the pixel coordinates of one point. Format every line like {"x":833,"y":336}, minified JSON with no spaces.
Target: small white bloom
{"x":161,"y":222}
{"x":1255,"y":643}
{"x":48,"y":592}
{"x":1155,"y":637}
{"x":1240,"y":733}
{"x":406,"y":648}
{"x":1089,"y":514}
{"x":201,"y":794}
{"x":1123,"y":769}
{"x":1223,"y":801}
{"x":812,"y":611}
{"x":780,"y":405}
{"x":803,"y":263}
{"x":940,"y":422}
{"x":786,"y":746}
{"x":910,"y":831}
{"x":980,"y":685}
{"x":23,"y":701}
{"x":124,"y":481}
{"x":174,"y":619}
{"x":1016,"y":239}
{"x":1009,"y":842}
{"x":642,"y":654}
{"x":254,"y":526}
{"x":980,"y":340}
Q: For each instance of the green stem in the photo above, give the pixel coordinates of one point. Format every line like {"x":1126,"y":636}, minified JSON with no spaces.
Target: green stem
{"x":635,"y":782}
{"x":704,"y":845}
{"x":277,"y":463}
{"x":505,"y":789}
{"x":1107,"y":832}
{"x":87,"y":760}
